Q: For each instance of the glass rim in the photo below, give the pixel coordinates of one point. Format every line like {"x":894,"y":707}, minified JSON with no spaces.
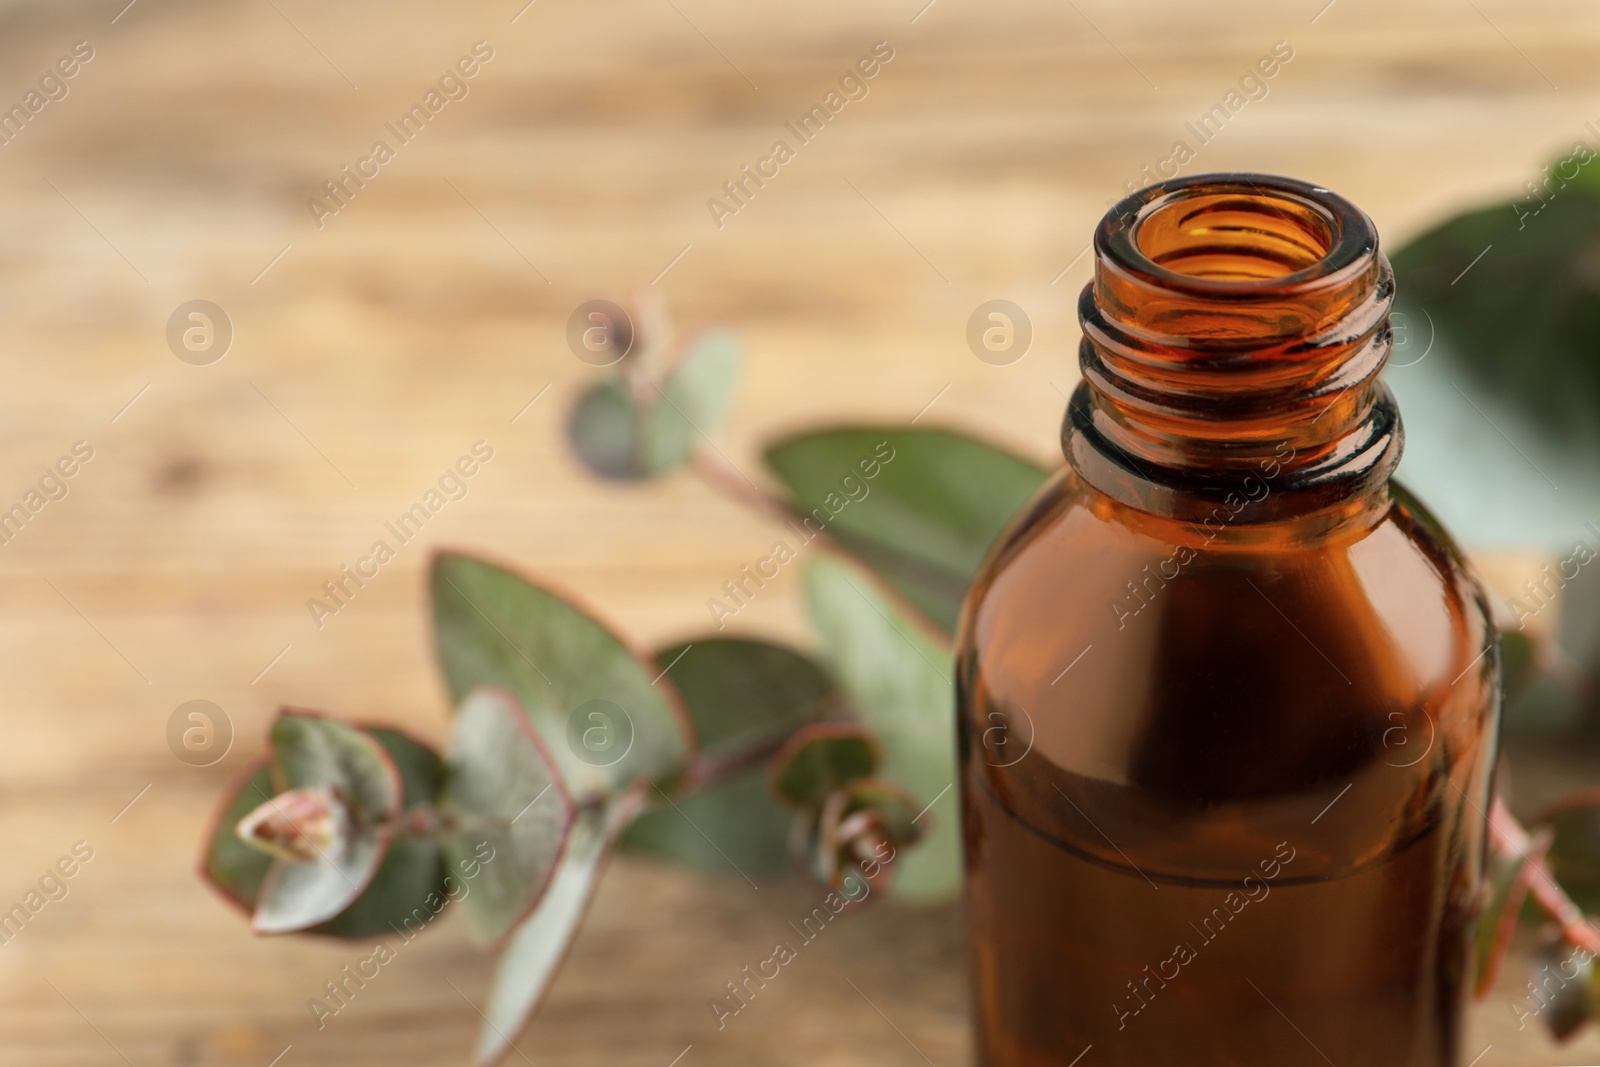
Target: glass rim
{"x":1353,"y":238}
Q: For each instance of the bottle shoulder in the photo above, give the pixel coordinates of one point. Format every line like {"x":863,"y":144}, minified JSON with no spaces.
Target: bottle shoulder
{"x":1075,"y":564}
{"x":1170,"y":681}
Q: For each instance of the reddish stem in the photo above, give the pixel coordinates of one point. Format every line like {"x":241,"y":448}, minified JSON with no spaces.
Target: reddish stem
{"x":1508,"y":836}
{"x":726,"y":479}
{"x":709,"y":771}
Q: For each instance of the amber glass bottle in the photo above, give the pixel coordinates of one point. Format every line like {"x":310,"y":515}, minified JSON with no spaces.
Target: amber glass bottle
{"x":1228,"y":695}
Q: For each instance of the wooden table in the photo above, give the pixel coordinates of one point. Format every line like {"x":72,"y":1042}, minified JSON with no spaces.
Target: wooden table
{"x":428,"y":312}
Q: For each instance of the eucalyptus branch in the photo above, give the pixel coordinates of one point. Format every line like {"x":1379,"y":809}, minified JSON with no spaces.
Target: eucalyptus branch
{"x":722,"y":476}
{"x":1508,"y":836}
{"x":731,"y":761}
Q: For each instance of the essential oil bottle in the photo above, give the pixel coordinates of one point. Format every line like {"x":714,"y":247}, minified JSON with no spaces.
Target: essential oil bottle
{"x":1228,"y":694}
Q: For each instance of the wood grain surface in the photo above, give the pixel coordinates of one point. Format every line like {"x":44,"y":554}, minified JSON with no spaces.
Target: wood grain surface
{"x":372,"y":350}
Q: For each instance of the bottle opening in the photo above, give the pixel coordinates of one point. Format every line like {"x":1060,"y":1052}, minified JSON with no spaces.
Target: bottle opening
{"x":1233,"y":237}
{"x":1234,"y":330}
{"x":1217,"y":238}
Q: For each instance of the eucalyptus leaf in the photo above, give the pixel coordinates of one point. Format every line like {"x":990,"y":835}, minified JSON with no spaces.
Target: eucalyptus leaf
{"x":898,"y":674}
{"x":412,"y":870}
{"x":311,"y":751}
{"x":745,"y":696}
{"x":1496,"y":377}
{"x":820,"y":759}
{"x":604,"y":431}
{"x":1540,"y":699}
{"x":1518,"y":662}
{"x":1518,"y":297}
{"x":700,"y":389}
{"x":625,"y":428}
{"x":732,"y":828}
{"x":1574,"y":856}
{"x":410,"y":885}
{"x":742,"y":691}
{"x":536,"y":949}
{"x":233,"y":867}
{"x":920,"y":506}
{"x":514,"y":812}
{"x":1564,"y":698}
{"x":421,"y":769}
{"x":407,"y":889}
{"x":1546,"y":707}
{"x":604,"y":715}
{"x":1507,"y":877}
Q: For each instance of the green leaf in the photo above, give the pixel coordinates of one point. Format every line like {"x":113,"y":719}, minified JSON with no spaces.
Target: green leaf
{"x":503,"y":787}
{"x":1518,"y":662}
{"x":1562,"y":696}
{"x":920,"y":506}
{"x":898,"y":675}
{"x":604,"y":431}
{"x":535,"y":950}
{"x":819,"y":759}
{"x":1574,"y":856}
{"x":742,"y":692}
{"x":1496,"y":379}
{"x":699,"y":391}
{"x":1547,"y":708}
{"x":730,"y":828}
{"x":1525,"y":318}
{"x":1543,"y":698}
{"x":411,"y":872}
{"x":312,"y":751}
{"x":744,"y":696}
{"x":1508,"y":875}
{"x":586,"y":694}
{"x":421,"y":769}
{"x":626,"y":428}
{"x":409,"y":887}
{"x":234,"y":868}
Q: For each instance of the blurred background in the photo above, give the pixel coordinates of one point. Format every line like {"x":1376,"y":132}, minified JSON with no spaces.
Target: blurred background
{"x":364,"y":345}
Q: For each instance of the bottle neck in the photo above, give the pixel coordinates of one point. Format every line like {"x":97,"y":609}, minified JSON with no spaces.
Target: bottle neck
{"x":1232,"y":339}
